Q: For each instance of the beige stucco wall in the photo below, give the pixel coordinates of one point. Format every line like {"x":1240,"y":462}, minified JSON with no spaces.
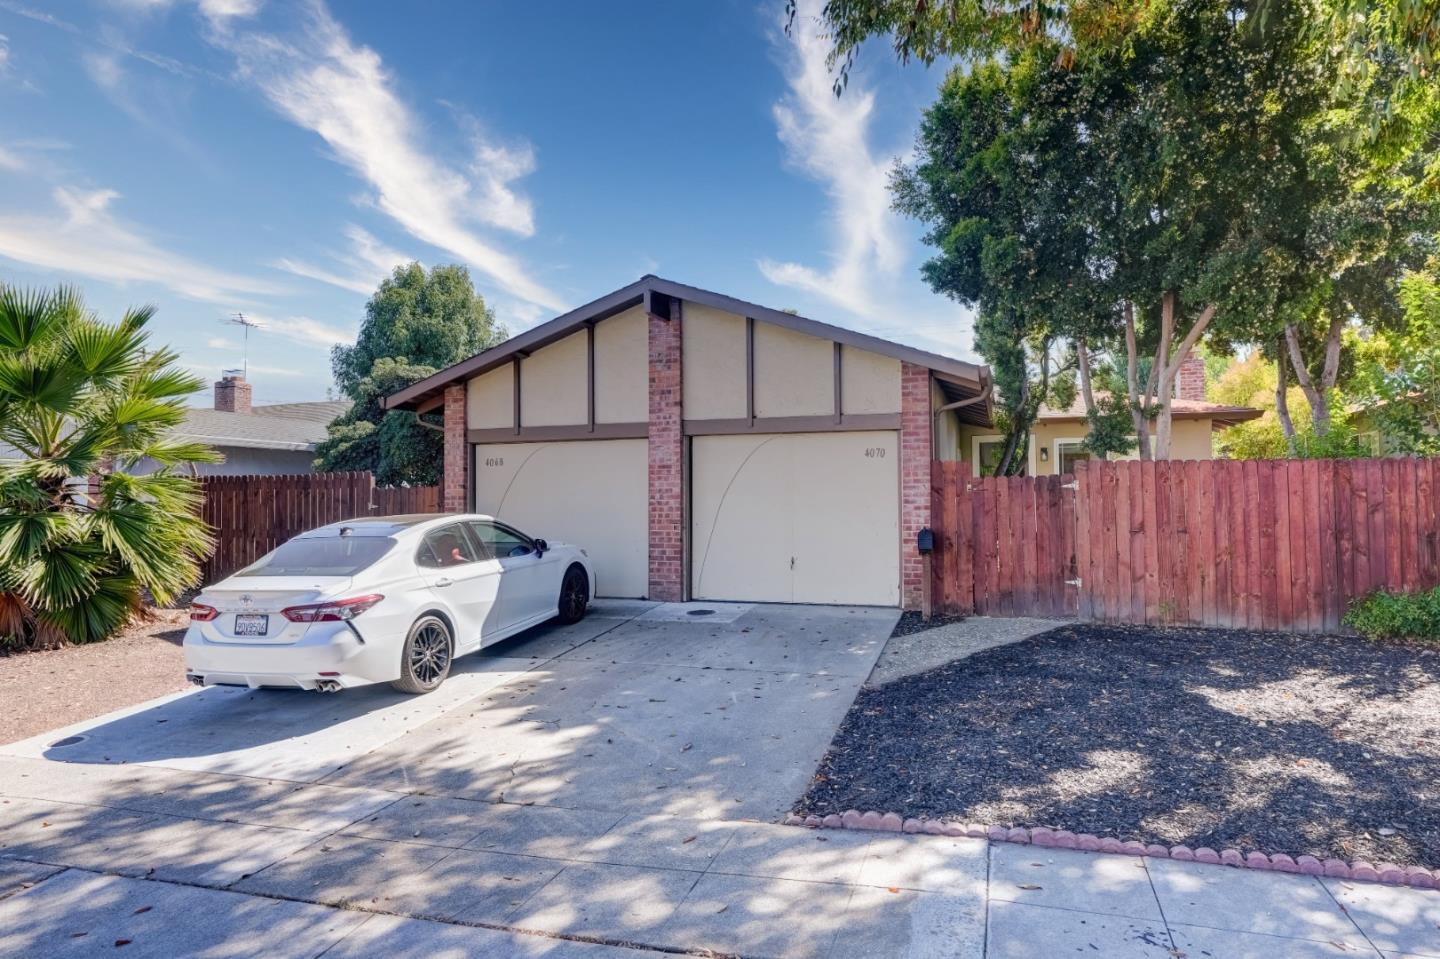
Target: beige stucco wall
{"x":553,"y":384}
{"x":622,"y":368}
{"x":794,"y":373}
{"x":713,"y":358}
{"x":1189,"y":440}
{"x":869,"y":382}
{"x":490,"y":399}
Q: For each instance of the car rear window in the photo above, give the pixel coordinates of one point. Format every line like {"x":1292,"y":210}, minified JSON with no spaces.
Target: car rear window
{"x":321,"y":556}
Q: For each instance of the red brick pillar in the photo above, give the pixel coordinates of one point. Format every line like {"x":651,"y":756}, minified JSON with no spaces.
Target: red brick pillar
{"x":667,"y":494}
{"x":915,"y":455}
{"x":457,"y":467}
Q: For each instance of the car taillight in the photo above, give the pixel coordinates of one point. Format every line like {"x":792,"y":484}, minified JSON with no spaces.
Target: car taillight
{"x":335,"y":611}
{"x":200,"y":613}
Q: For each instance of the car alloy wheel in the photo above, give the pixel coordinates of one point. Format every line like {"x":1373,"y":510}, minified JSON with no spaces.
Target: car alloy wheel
{"x":426,"y":657}
{"x":574,"y":595}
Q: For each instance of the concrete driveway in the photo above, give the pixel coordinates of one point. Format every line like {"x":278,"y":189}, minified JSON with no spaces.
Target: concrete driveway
{"x":597,"y":790}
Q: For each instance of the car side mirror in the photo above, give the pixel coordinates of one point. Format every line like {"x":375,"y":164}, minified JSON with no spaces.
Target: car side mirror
{"x":541,"y":546}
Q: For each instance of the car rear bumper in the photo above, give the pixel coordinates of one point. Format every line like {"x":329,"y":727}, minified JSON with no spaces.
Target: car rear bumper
{"x":329,"y":653}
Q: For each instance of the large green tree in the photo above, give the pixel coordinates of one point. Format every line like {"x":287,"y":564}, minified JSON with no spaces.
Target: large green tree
{"x":84,"y":402}
{"x":416,"y":324}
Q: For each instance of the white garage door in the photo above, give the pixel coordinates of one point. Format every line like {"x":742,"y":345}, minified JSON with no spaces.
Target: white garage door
{"x":593,"y":493}
{"x":796,"y":518}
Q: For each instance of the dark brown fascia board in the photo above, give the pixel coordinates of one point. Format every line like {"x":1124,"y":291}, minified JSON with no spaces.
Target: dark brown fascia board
{"x":824,"y":423}
{"x":579,"y":431}
{"x":967,"y":374}
{"x":521,"y":344}
{"x":644,"y":292}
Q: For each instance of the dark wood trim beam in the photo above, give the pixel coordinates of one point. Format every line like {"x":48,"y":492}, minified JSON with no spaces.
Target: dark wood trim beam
{"x":433,"y":403}
{"x":750,"y":369}
{"x":579,"y":431}
{"x":839,"y":411}
{"x":590,"y":375}
{"x":516,"y":377}
{"x":794,"y":424}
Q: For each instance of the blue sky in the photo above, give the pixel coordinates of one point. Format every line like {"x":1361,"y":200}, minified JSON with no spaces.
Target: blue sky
{"x":278,"y":157}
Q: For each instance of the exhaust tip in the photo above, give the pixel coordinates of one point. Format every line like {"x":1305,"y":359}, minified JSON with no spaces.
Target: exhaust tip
{"x":328,"y":686}
{"x":195,"y":679}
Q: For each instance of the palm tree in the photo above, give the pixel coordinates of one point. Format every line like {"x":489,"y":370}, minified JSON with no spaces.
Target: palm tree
{"x":82,"y":402}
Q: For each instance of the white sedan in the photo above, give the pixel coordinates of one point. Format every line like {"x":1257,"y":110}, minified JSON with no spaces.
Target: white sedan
{"x":390,"y":599}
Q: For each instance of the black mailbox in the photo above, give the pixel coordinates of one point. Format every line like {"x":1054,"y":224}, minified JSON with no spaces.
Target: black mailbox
{"x":925,"y":540}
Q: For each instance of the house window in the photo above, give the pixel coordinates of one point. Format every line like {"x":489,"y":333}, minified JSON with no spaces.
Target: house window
{"x":987,"y":451}
{"x":1068,"y":453}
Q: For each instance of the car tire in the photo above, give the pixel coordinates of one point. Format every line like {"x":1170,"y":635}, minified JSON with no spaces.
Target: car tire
{"x":574,"y":596}
{"x":426,"y":656}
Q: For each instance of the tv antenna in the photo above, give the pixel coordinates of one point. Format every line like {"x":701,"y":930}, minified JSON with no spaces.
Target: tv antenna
{"x":241,"y":320}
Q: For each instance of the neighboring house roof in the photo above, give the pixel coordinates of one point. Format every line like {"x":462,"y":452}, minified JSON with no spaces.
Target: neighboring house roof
{"x":957,"y":378}
{"x":1220,"y":415}
{"x":322,"y":411}
{"x":297,"y":426}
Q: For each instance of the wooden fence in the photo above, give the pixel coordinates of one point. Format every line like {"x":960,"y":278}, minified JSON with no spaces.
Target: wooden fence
{"x":252,"y":515}
{"x":1261,"y":544}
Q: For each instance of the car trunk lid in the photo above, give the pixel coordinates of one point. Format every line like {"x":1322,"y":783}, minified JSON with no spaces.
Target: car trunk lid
{"x":251,"y":612}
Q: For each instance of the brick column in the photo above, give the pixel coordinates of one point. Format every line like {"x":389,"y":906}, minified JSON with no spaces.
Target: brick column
{"x":457,"y":465}
{"x":915,"y":455}
{"x":667,"y":494}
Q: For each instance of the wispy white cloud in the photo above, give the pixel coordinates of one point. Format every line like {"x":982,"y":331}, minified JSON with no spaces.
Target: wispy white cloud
{"x":10,"y":160}
{"x":827,"y":138}
{"x":221,"y":343}
{"x":215,"y":370}
{"x":302,"y":329}
{"x":368,"y":262}
{"x":85,"y":238}
{"x":323,"y":81}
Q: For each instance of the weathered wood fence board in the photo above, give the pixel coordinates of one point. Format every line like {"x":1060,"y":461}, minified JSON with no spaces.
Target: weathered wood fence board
{"x":251,"y":515}
{"x":1272,"y":544}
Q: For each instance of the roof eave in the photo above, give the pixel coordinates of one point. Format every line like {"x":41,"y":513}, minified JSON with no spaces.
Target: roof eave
{"x":641,"y":291}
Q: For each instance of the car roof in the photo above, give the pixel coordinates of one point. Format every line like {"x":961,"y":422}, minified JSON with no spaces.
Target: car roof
{"x":387,"y":525}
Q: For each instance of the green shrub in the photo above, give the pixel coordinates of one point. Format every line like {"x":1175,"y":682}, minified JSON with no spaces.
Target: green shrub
{"x":1385,"y":615}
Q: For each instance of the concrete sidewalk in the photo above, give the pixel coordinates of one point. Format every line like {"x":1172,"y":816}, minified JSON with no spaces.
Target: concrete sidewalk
{"x":303,"y":870}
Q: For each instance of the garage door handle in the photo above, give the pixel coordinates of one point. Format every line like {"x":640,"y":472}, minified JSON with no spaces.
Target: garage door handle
{"x":444,"y":581}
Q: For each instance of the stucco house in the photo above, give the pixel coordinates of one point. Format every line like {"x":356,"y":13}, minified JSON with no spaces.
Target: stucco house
{"x":257,"y":440}
{"x":1058,"y":433}
{"x":700,"y":446}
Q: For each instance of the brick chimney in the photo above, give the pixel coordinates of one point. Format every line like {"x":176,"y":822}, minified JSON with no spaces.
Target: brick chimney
{"x":1190,"y":381}
{"x":232,"y":394}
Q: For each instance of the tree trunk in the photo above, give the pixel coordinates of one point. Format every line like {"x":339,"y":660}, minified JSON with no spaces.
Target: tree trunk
{"x":1282,"y":403}
{"x":1316,"y":397}
{"x":1082,"y":361}
{"x":1169,"y":366}
{"x":1132,"y":382}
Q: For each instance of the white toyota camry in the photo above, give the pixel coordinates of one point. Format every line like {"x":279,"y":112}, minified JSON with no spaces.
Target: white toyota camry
{"x":390,"y":599}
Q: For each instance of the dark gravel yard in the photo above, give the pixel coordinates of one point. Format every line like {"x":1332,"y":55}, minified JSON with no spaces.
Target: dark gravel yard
{"x":1321,"y":745}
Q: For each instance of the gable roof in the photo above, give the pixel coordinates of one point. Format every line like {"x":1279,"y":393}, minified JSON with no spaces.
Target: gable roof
{"x":281,"y":426}
{"x":1220,"y":415}
{"x":655,"y":293}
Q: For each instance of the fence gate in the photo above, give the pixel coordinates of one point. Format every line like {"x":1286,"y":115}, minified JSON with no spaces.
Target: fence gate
{"x":1258,"y":544}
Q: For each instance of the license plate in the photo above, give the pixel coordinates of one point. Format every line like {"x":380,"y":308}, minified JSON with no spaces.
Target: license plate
{"x":252,"y":624}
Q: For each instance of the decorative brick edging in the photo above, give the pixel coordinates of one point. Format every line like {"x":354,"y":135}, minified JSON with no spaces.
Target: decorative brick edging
{"x":1387,"y":872}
